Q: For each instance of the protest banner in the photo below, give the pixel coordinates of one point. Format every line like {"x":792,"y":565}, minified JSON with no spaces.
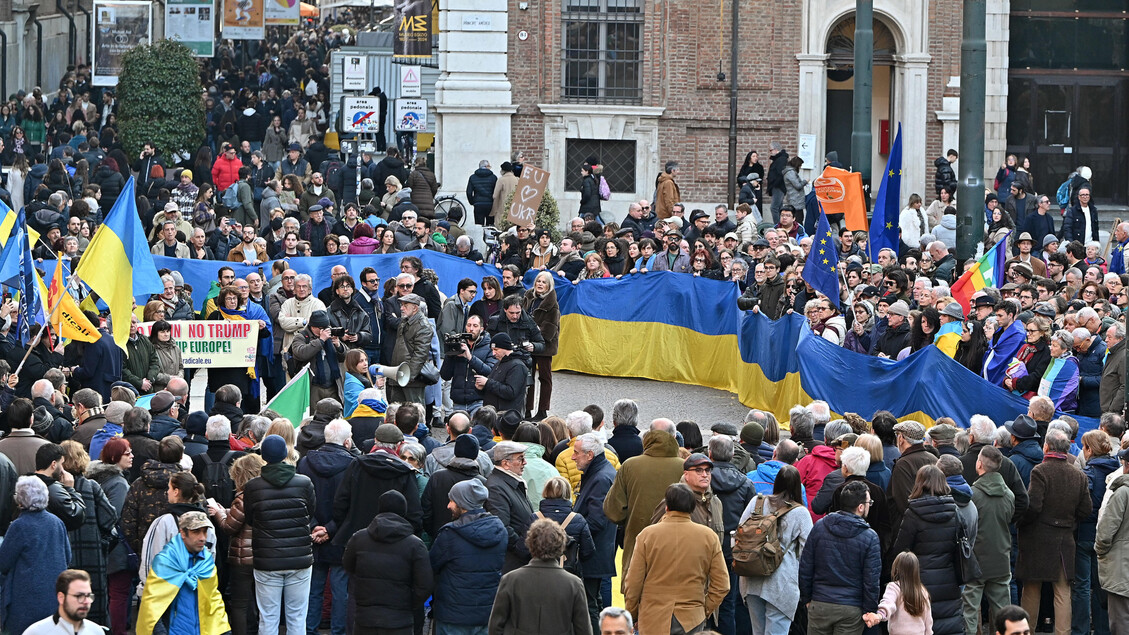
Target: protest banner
{"x":215,"y":344}
{"x":527,"y":197}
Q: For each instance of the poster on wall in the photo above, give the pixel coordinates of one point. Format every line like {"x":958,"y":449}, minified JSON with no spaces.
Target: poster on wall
{"x":119,"y":25}
{"x":413,"y":29}
{"x":243,"y":19}
{"x":193,"y":23}
{"x":281,"y":12}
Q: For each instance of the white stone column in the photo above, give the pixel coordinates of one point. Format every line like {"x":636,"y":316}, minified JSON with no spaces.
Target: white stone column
{"x":996,"y":85}
{"x":912,"y":82}
{"x":472,"y":94}
{"x":813,"y":109}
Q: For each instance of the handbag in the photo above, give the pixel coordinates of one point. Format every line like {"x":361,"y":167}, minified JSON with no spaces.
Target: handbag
{"x":967,"y":566}
{"x":429,"y":374}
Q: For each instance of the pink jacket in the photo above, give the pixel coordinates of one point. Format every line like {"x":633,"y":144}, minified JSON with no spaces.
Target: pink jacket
{"x":362,"y":245}
{"x":890,"y":609}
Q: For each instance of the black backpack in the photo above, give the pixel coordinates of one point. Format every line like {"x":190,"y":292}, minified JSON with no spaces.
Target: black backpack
{"x":217,"y":480}
{"x":570,"y":561}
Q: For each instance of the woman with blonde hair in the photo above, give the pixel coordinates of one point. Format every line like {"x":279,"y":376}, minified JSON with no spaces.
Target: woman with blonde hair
{"x":86,"y":541}
{"x":283,"y":428}
{"x":241,"y":584}
{"x":593,"y":268}
{"x":878,"y":473}
{"x":392,"y":187}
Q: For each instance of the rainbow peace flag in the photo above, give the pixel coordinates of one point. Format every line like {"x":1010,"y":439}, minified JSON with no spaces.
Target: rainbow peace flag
{"x":987,"y":272}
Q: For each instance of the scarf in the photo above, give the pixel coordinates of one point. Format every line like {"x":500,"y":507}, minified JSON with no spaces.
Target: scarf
{"x":253,"y":312}
{"x":1061,"y":456}
{"x":172,"y":570}
{"x":370,"y":408}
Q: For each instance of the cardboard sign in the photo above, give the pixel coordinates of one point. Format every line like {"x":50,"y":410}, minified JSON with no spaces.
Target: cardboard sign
{"x":216,"y":344}
{"x":527,"y":197}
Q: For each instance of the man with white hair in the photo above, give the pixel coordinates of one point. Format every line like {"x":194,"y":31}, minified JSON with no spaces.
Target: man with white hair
{"x":1089,"y":319}
{"x":821,"y":414}
{"x":594,"y":487}
{"x":1117,"y":256}
{"x":625,"y":438}
{"x":922,"y":292}
{"x":294,"y":315}
{"x":464,"y":248}
{"x":856,"y":461}
{"x":326,"y":465}
{"x":578,"y":423}
{"x":212,"y":468}
{"x":43,"y":396}
{"x":1090,"y":351}
{"x":1111,"y":390}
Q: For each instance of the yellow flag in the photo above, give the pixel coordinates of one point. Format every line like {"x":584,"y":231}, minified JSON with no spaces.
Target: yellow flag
{"x":6,"y":230}
{"x":68,"y":321}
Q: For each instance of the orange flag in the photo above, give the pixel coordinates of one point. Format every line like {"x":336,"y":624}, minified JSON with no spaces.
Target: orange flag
{"x":67,"y":320}
{"x":840,"y":192}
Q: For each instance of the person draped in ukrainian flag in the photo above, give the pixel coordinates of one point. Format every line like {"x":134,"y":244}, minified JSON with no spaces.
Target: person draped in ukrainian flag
{"x":232,"y":306}
{"x":952,"y":324}
{"x":184,"y":582}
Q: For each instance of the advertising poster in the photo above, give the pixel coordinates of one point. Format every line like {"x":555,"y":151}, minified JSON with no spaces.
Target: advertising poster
{"x":243,"y":19}
{"x":413,"y":29}
{"x":193,"y":23}
{"x":119,"y":25}
{"x":218,"y":344}
{"x":281,"y":12}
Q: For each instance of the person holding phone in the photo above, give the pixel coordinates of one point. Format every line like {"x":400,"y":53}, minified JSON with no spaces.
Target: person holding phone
{"x":349,"y":324}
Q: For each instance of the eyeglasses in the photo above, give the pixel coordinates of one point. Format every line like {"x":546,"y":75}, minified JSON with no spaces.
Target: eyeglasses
{"x":404,"y":286}
{"x":289,"y":277}
{"x":83,"y":597}
{"x":372,"y":281}
{"x":700,"y":470}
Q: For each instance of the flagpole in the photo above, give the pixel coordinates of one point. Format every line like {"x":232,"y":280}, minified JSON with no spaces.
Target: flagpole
{"x":39,"y":335}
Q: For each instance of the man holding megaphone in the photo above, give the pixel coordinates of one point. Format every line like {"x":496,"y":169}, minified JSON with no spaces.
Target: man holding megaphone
{"x":460,"y":366}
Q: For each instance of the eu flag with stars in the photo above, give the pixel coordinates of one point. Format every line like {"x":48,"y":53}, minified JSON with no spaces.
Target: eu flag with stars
{"x":887,"y":205}
{"x":821,"y":270}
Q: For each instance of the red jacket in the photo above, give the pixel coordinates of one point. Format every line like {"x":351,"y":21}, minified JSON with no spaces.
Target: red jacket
{"x":225,"y":172}
{"x":813,"y":469}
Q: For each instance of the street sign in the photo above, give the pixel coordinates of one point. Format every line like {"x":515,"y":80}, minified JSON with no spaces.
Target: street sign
{"x":348,"y":146}
{"x":354,"y":74}
{"x":409,"y":81}
{"x":806,"y":151}
{"x":361,"y":114}
{"x":411,"y":115}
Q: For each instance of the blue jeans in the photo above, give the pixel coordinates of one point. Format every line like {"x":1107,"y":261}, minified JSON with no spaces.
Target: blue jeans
{"x":766,"y":618}
{"x":1086,"y":599}
{"x":443,"y":628}
{"x":339,"y":586}
{"x":279,"y":592}
{"x":470,"y":408}
{"x":731,"y":618}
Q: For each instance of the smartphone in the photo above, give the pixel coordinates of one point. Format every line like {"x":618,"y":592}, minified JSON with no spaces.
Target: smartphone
{"x":337,"y":331}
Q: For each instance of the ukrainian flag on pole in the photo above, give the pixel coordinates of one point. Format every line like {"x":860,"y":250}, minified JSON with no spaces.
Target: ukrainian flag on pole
{"x":117,"y":264}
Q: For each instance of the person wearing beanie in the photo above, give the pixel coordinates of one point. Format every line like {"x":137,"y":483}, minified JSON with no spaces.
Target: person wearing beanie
{"x":279,"y":506}
{"x":467,"y":557}
{"x":463,"y":465}
{"x":196,"y":434}
{"x":504,"y":388}
{"x":315,"y":347}
{"x":752,"y":439}
{"x":164,"y":410}
{"x":390,"y":571}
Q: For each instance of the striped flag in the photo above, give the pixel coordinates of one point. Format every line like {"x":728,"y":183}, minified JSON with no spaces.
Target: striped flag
{"x":987,"y":272}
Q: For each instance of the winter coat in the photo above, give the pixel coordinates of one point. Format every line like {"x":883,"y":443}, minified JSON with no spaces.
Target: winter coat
{"x":146,"y":500}
{"x":389,"y":571}
{"x":34,"y":552}
{"x":460,"y":371}
{"x":1059,"y":501}
{"x":355,"y":502}
{"x":1026,"y":455}
{"x":280,"y":507}
{"x":566,"y":464}
{"x":1112,"y":541}
{"x":590,"y":196}
{"x":794,"y":188}
{"x":558,"y":509}
{"x":813,"y":468}
{"x":944,"y":176}
{"x":115,"y":487}
{"x":225,"y":171}
{"x":1090,"y":368}
{"x":929,"y":529}
{"x":995,"y":507}
{"x":902,"y":477}
{"x":1097,"y":471}
{"x":424,"y":186}
{"x":140,"y":362}
{"x":946,"y":232}
{"x":274,"y":144}
{"x":540,"y":597}
{"x":627,"y":441}
{"x":390,"y":166}
{"x":467,"y":558}
{"x":88,"y":542}
{"x":509,"y":502}
{"x":546,"y":315}
{"x":505,"y":385}
{"x":780,"y":589}
{"x":435,"y":493}
{"x":356,"y":322}
{"x":1073,"y":224}
{"x":769,"y":297}
{"x":480,"y":188}
{"x":537,"y":472}
{"x":1008,"y":472}
{"x":639,"y":486}
{"x":594,"y":486}
{"x":325,"y":466}
{"x":841,"y":563}
{"x":111,"y":182}
{"x":413,"y":345}
{"x":734,"y":490}
{"x":239,"y":551}
{"x":666,"y":195}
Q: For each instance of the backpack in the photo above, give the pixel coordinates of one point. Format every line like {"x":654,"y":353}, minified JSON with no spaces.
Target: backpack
{"x":570,"y":561}
{"x":334,"y":179}
{"x":231,"y":196}
{"x":757,"y":550}
{"x":217,"y":480}
{"x":1062,"y":195}
{"x":605,"y":189}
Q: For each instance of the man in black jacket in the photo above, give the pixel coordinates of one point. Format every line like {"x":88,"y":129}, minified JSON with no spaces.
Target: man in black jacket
{"x":896,"y":336}
{"x":523,"y":332}
{"x":480,"y":191}
{"x":279,"y":507}
{"x":509,"y":502}
{"x":62,"y":500}
{"x":460,"y":367}
{"x":504,"y":389}
{"x":354,"y":503}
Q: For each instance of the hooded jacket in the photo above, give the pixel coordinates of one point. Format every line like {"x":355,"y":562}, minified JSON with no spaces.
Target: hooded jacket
{"x":841,"y":563}
{"x":1026,"y":455}
{"x":735,"y":491}
{"x":945,"y":176}
{"x":480,"y":188}
{"x":325,"y":467}
{"x":815,"y":467}
{"x":147,"y":499}
{"x":995,"y":507}
{"x":390,"y":572}
{"x":355,"y":503}
{"x":280,"y":507}
{"x":467,"y":558}
{"x":764,"y":479}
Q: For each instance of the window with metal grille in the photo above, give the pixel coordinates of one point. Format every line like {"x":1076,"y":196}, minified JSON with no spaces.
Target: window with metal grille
{"x":617,"y":157}
{"x":602,"y":51}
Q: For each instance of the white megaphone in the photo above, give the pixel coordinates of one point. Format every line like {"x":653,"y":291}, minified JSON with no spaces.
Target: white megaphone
{"x":400,"y":374}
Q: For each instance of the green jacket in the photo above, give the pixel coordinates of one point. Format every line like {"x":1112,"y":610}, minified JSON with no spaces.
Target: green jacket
{"x":141,"y":362}
{"x":995,"y":504}
{"x":1112,"y":543}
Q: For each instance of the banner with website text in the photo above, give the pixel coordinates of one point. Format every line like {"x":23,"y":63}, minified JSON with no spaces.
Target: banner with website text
{"x":215,"y":344}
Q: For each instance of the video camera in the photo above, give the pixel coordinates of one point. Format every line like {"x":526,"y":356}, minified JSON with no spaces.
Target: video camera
{"x":451,"y":342}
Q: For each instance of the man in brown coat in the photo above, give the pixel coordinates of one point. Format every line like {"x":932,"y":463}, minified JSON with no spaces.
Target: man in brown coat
{"x":910,"y":436}
{"x":641,"y":482}
{"x":667,"y":193}
{"x":1059,"y":498}
{"x":1111,"y":391}
{"x":678,"y":574}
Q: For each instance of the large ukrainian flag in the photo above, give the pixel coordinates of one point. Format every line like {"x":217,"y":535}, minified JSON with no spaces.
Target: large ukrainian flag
{"x":117,"y":264}
{"x":173,"y":570}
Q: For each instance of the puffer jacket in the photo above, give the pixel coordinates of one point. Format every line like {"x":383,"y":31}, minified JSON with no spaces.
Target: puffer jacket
{"x":929,"y":529}
{"x":839,"y":547}
{"x":460,"y":371}
{"x":794,"y":189}
{"x":280,"y":506}
{"x":353,"y":318}
{"x":235,"y":525}
{"x":147,"y":499}
{"x":547,"y":317}
{"x":734,"y":490}
{"x":325,"y":466}
{"x":390,"y":570}
{"x":424,"y":186}
{"x":355,"y":502}
{"x":558,"y":509}
{"x":946,"y":232}
{"x":467,"y":559}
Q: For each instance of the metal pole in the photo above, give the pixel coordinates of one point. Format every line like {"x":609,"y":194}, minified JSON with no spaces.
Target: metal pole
{"x":861,"y":137}
{"x":970,"y":187}
{"x":731,"y":194}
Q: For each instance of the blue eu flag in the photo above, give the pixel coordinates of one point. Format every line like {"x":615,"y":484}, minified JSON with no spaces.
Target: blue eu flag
{"x":887,"y":205}
{"x":821,"y":270}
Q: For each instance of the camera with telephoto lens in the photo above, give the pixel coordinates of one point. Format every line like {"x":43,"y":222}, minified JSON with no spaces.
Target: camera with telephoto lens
{"x":451,"y":342}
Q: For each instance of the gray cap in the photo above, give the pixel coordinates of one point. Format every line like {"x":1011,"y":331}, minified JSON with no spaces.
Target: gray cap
{"x":953,"y":310}
{"x":115,"y":411}
{"x":411,"y":298}
{"x":899,"y":308}
{"x":469,"y":494}
{"x":504,"y":449}
{"x":943,"y":432}
{"x":913,"y":431}
{"x":1049,"y":239}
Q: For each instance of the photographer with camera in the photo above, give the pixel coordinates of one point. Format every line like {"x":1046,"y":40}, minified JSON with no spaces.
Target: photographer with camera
{"x":515,"y":322}
{"x":468,"y":354}
{"x":504,"y":388}
{"x":347,"y":319}
{"x":452,"y":321}
{"x":316,"y":346}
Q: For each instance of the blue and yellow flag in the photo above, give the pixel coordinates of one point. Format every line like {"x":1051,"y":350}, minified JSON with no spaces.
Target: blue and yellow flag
{"x":117,"y":264}
{"x":821,"y":270}
{"x":174,"y":570}
{"x":17,"y":269}
{"x":887,"y":205}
